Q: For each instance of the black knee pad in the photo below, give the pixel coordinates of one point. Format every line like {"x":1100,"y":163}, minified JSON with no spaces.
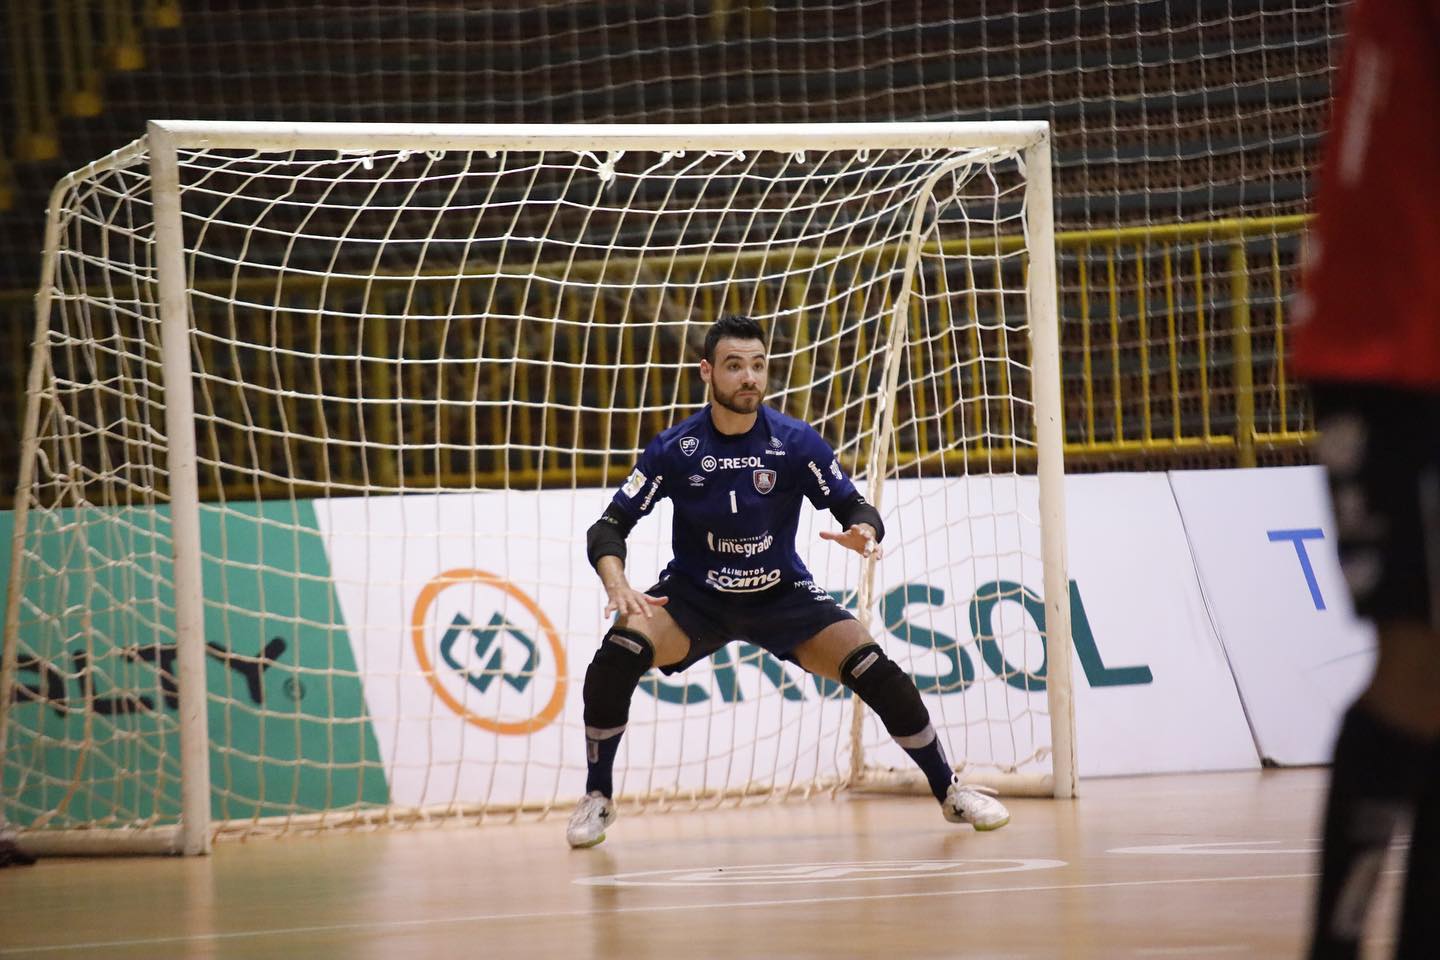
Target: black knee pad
{"x":885,"y":688}
{"x":613,"y":675}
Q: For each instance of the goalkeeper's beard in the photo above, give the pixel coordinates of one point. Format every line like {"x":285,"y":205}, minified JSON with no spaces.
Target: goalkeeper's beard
{"x":737,"y":402}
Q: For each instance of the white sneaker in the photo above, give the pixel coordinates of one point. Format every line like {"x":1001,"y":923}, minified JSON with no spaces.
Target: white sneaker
{"x":974,"y":805}
{"x":592,"y":815}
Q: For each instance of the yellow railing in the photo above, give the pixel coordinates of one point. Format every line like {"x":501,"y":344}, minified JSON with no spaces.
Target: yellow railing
{"x":1222,"y":286}
{"x":1173,"y":352}
{"x":59,"y":54}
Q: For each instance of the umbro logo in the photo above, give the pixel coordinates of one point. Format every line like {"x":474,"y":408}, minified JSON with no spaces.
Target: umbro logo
{"x":696,"y":480}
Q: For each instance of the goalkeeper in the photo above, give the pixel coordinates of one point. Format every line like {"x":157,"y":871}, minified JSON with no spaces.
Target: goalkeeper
{"x":736,"y":472}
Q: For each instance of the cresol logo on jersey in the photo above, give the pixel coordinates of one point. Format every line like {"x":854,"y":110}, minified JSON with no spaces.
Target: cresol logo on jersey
{"x":711,"y":464}
{"x":489,"y":652}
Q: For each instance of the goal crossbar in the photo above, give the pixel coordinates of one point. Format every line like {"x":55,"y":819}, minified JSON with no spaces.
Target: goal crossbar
{"x":932,"y":135}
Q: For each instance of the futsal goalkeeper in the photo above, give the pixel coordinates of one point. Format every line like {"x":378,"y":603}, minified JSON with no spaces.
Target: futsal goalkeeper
{"x":735,"y":473}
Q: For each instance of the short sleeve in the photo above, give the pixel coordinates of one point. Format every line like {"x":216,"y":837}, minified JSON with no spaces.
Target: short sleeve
{"x":823,"y":479}
{"x":645,"y":486}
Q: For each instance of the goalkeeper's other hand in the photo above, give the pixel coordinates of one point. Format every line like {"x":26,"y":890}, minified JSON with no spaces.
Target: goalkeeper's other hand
{"x":860,"y":538}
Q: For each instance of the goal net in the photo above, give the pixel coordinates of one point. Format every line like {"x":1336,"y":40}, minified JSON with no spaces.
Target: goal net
{"x":318,"y":416}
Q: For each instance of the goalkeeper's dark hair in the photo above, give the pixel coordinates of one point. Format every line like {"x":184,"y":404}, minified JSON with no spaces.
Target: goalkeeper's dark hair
{"x":734,"y":326}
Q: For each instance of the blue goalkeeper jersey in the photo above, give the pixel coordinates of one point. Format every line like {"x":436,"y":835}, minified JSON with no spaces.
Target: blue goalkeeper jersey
{"x":737,"y":498}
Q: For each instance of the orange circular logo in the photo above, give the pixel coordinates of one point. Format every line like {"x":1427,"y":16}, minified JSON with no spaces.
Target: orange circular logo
{"x":471,"y":648}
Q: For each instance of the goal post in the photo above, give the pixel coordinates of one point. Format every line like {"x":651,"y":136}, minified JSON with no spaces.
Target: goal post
{"x":318,"y":414}
{"x":176,"y":376}
{"x":1044,"y":301}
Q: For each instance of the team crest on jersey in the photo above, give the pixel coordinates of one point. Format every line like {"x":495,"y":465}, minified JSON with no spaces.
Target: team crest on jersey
{"x":764,"y":480}
{"x":688,"y":445}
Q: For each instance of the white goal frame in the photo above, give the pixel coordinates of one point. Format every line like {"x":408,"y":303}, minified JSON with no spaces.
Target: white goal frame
{"x":162,"y":143}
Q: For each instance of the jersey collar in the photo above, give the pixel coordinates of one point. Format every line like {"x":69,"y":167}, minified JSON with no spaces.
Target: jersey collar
{"x":761,"y":427}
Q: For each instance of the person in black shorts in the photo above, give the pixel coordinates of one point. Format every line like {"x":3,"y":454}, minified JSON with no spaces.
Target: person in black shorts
{"x":1381,"y":449}
{"x":736,"y":473}
{"x":1367,"y":339}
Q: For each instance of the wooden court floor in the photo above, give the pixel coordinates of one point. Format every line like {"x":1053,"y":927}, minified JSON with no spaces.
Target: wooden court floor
{"x":1215,"y":865}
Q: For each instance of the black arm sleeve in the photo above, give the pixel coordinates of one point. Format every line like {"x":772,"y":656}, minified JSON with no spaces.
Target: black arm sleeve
{"x":606,"y":536}
{"x":856,"y":510}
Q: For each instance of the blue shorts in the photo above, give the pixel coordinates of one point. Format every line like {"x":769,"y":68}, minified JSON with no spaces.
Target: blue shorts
{"x":778,"y":620}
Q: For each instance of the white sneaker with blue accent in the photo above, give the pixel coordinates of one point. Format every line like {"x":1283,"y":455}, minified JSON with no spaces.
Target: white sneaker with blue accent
{"x":592,"y":815}
{"x":974,"y":805}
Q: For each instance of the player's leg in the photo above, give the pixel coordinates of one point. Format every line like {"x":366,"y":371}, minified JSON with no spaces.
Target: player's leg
{"x":843,"y":651}
{"x":1383,"y":755}
{"x":1384,"y":489}
{"x":1420,"y":921}
{"x":629,"y":648}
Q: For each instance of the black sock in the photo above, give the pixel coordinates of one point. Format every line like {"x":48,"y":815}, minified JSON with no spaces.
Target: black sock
{"x":1377,"y":773}
{"x":930,"y":758}
{"x":1420,"y":920}
{"x":600,"y":761}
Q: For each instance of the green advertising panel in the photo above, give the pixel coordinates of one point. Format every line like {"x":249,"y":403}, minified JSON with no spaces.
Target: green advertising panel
{"x":93,"y":733}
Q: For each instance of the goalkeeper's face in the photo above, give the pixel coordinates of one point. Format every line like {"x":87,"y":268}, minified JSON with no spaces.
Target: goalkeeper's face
{"x":738,"y":376}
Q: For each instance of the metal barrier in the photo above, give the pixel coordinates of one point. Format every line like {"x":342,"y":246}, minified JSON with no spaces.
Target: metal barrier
{"x":1188,"y":338}
{"x":1173,"y":346}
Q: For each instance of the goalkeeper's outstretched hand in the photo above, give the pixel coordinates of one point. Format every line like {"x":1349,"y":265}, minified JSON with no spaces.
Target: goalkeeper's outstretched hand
{"x":629,"y":602}
{"x":860,"y":538}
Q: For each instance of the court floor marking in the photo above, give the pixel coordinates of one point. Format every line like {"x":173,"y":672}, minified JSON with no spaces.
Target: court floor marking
{"x":1234,"y":847}
{"x":825,"y":871}
{"x":383,"y":925}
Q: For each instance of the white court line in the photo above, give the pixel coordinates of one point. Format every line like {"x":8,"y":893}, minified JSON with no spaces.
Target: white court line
{"x":1221,"y":849}
{"x":844,"y":871}
{"x":383,"y":925}
{"x":1233,"y":847}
